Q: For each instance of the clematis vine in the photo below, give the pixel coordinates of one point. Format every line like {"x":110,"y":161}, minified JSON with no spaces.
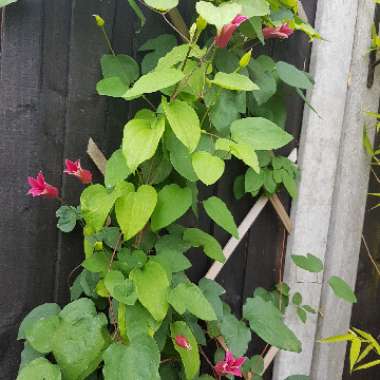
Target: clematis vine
{"x":225,"y":35}
{"x":182,"y":341}
{"x":40,"y":188}
{"x":282,"y":32}
{"x":230,"y":365}
{"x":74,"y":168}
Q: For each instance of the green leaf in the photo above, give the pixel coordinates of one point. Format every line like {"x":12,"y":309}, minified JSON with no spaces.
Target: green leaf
{"x":3,"y":3}
{"x":253,"y":181}
{"x":141,"y":139}
{"x":97,"y":263}
{"x":162,"y":5}
{"x":302,"y":315}
{"x":189,"y":357}
{"x":113,"y":87}
{"x":266,"y":321}
{"x":40,"y":312}
{"x":173,"y":202}
{"x":131,"y":260}
{"x":236,"y":334}
{"x":292,"y":76}
{"x":40,"y":369}
{"x":138,"y":12}
{"x":289,"y":183}
{"x":297,"y":298}
{"x":96,"y":203}
{"x":342,"y":290}
{"x":158,"y":47}
{"x":80,"y":339}
{"x":234,"y":81}
{"x":356,"y":345}
{"x":120,"y":288}
{"x":188,"y":297}
{"x":255,"y":364}
{"x":238,"y":187}
{"x":254,"y":7}
{"x":152,"y":287}
{"x":241,"y":151}
{"x":338,"y":338}
{"x":207,"y":167}
{"x":212,"y":291}
{"x":218,"y":16}
{"x":264,"y":79}
{"x":153,"y":82}
{"x":139,"y":360}
{"x":39,"y":334}
{"x":116,"y":169}
{"x":157,"y":169}
{"x":180,"y":157}
{"x":210,"y":245}
{"x":184,"y":122}
{"x":67,"y":218}
{"x":375,"y":344}
{"x":169,"y":249}
{"x":178,"y":54}
{"x":310,"y":263}
{"x":120,"y":66}
{"x":259,"y":133}
{"x":134,"y":209}
{"x":28,"y":354}
{"x":368,"y":365}
{"x":217,"y":210}
{"x":227,"y":108}
{"x":138,"y":321}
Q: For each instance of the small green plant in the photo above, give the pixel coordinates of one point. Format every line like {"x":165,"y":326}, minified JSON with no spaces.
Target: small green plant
{"x":361,"y":344}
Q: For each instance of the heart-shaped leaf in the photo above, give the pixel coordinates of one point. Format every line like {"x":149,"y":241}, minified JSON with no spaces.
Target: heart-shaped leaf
{"x":141,"y":139}
{"x":207,"y":167}
{"x":218,"y":16}
{"x":154,"y":298}
{"x":120,"y":288}
{"x":173,"y":202}
{"x":134,"y":209}
{"x":184,"y":122}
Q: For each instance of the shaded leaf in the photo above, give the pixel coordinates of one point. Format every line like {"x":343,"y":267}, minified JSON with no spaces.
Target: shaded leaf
{"x":342,"y":289}
{"x":217,"y":210}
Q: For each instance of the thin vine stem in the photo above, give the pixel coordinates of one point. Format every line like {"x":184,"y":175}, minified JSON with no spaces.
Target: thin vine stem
{"x":371,"y":258}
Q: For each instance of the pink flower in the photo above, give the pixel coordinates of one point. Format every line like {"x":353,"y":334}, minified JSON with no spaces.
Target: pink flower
{"x":182,"y":341}
{"x":40,"y":188}
{"x":283,"y":32}
{"x":74,"y":168}
{"x":222,"y":39}
{"x":230,"y":365}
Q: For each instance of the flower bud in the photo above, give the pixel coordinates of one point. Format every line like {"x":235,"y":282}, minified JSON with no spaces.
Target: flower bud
{"x":99,"y":21}
{"x":193,"y":31}
{"x":201,"y":23}
{"x":245,"y":59}
{"x":98,"y":246}
{"x":182,"y":341}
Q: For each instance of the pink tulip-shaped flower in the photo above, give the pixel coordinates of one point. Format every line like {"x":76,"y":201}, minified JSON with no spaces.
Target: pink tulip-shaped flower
{"x":74,"y":168}
{"x":230,"y":365}
{"x":182,"y":341}
{"x":283,"y":32}
{"x":223,"y":38}
{"x":40,"y":188}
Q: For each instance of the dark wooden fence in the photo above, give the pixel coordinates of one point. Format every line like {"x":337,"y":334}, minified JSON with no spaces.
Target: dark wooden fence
{"x":49,"y":108}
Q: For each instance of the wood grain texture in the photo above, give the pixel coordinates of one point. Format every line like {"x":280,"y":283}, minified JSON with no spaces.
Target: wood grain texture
{"x":26,"y":253}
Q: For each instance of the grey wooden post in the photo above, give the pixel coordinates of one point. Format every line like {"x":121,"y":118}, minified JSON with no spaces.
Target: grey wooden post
{"x":328,"y":214}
